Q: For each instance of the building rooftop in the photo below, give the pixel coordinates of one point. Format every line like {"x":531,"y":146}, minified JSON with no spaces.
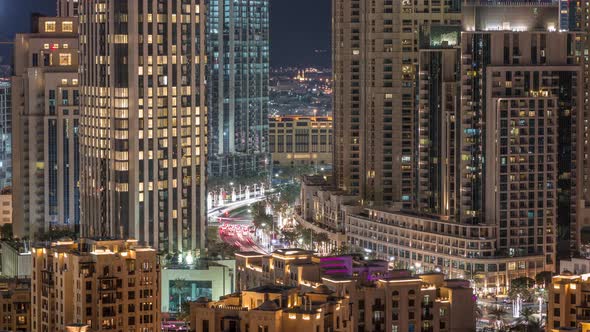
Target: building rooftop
{"x":314,"y":180}
{"x":273,"y":289}
{"x":250,"y":254}
{"x":293,"y":251}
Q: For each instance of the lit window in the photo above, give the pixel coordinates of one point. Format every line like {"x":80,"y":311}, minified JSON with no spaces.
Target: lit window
{"x":46,"y":46}
{"x":50,"y":26}
{"x":67,"y":26}
{"x":65,"y":59}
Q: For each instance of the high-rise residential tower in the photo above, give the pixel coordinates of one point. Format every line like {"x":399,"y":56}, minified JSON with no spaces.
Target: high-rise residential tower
{"x":5,"y":134}
{"x":144,"y":117}
{"x":67,"y":8}
{"x":375,"y":65}
{"x":496,"y":102}
{"x":46,"y":120}
{"x":238,"y":51}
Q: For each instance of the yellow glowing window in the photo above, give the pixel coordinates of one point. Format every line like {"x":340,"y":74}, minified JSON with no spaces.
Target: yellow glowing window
{"x":46,"y":46}
{"x":50,"y":26}
{"x":40,"y":165}
{"x":65,"y":59}
{"x":120,"y":39}
{"x":67,"y":26}
{"x":64,"y":81}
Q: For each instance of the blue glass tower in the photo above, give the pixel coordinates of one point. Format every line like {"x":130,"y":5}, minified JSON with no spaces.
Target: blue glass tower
{"x":5,"y":135}
{"x":238,"y":52}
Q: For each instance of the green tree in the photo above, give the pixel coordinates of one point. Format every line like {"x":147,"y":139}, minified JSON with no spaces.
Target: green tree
{"x":260,"y":219}
{"x":321,"y":239}
{"x":185,"y":311}
{"x":340,"y":250}
{"x":522,"y":286}
{"x":55,"y":234}
{"x":526,"y":316}
{"x":496,"y":315}
{"x":536,"y":324}
{"x":291,"y":235}
{"x":6,"y":231}
{"x":543,"y":278}
{"x":221,"y":250}
{"x":179,"y":285}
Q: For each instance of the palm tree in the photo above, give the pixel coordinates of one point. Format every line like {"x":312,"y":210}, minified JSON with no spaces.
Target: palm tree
{"x":478,"y":311}
{"x":179,"y":285}
{"x":526,"y":314}
{"x":497,"y":314}
{"x":321,"y":239}
{"x":536,"y":325}
{"x":260,"y":218}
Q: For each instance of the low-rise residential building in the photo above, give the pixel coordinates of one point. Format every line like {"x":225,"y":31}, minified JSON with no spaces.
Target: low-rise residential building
{"x":15,"y":259}
{"x":273,"y":309}
{"x":379,"y":298}
{"x":15,"y":304}
{"x":401,"y":301}
{"x":105,"y":284}
{"x":569,"y":295}
{"x":301,"y":141}
{"x":302,"y":268}
{"x":322,"y":209}
{"x":279,"y":268}
{"x":434,"y":243}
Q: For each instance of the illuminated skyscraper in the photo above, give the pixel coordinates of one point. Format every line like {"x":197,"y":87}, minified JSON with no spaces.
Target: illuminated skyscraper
{"x":375,"y":65}
{"x":5,"y":135}
{"x":46,"y":120}
{"x":67,"y":8}
{"x":238,"y":49}
{"x":485,"y":107}
{"x":144,"y":121}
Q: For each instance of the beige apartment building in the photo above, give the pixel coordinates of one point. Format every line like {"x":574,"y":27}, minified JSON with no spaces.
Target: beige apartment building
{"x":375,"y":59}
{"x":301,"y":141}
{"x":46,"y":120}
{"x":15,"y":304}
{"x":273,"y":309}
{"x":434,"y":243}
{"x":144,"y":121}
{"x":107,"y":285}
{"x":254,"y":269}
{"x":379,"y":299}
{"x":6,"y":206}
{"x":568,"y":299}
{"x":405,"y":302}
{"x":322,"y":209}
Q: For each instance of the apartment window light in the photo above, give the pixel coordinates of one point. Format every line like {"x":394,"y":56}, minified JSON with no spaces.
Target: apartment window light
{"x":50,"y":26}
{"x":67,"y":26}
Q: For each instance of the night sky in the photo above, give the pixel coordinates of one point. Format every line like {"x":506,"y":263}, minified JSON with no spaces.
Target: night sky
{"x":300,"y":29}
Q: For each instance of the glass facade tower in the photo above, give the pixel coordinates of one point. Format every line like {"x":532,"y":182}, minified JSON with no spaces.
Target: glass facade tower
{"x":238,"y":52}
